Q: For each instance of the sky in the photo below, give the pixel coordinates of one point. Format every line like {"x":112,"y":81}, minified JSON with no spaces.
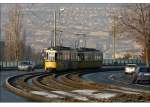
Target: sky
{"x":92,"y":20}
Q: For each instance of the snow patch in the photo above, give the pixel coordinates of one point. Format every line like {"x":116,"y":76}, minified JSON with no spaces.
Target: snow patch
{"x":84,"y":92}
{"x":75,"y":96}
{"x":45,"y":94}
{"x":124,"y":91}
{"x":95,"y":93}
{"x":104,"y":95}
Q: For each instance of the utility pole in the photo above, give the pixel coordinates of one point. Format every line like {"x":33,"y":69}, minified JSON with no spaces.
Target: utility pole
{"x":54,"y":28}
{"x":1,"y":47}
{"x":0,"y":23}
{"x":114,"y":37}
{"x":84,"y":37}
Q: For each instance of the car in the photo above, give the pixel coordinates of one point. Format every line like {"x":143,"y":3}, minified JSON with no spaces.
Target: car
{"x":26,"y":66}
{"x":141,"y":74}
{"x":130,"y":68}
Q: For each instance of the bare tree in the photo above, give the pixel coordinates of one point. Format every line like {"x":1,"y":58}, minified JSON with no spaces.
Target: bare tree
{"x":13,"y":34}
{"x":135,"y":21}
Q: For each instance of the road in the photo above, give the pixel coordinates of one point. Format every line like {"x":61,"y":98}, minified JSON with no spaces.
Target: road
{"x":116,"y":78}
{"x":5,"y":95}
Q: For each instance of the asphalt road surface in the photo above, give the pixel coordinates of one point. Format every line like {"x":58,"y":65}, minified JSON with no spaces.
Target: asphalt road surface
{"x":109,"y":77}
{"x":5,"y":95}
{"x":116,"y":78}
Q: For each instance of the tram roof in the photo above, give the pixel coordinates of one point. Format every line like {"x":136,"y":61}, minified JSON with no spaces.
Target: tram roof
{"x":87,"y":49}
{"x":60,"y":48}
{"x":69,"y":48}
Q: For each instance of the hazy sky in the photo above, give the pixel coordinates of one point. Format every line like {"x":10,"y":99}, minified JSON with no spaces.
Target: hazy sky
{"x":90,"y":19}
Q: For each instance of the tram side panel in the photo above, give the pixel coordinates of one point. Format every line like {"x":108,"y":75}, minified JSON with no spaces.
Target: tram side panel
{"x":64,"y":60}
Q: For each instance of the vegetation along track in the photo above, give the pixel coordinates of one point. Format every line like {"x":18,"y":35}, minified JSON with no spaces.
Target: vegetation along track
{"x":69,"y":87}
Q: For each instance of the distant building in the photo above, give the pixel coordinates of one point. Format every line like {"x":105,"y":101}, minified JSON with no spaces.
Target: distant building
{"x":133,"y":55}
{"x":2,"y":46}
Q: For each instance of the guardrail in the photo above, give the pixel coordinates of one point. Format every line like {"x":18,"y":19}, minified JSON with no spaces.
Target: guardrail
{"x":13,"y":64}
{"x":122,"y":61}
{"x":107,"y":62}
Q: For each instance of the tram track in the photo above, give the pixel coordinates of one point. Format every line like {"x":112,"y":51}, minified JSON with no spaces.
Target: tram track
{"x":12,"y":84}
{"x":65,"y":87}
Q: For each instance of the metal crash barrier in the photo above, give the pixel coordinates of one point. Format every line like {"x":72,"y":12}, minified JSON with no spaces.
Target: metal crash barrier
{"x":106,"y":62}
{"x":12,"y":65}
{"x":122,"y":62}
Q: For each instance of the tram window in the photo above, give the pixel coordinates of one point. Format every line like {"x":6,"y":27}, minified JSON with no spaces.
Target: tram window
{"x":72,"y":56}
{"x":46,"y":55}
{"x":62,"y":56}
{"x":58,"y":56}
{"x":76,"y":57}
{"x":55,"y":56}
{"x":97,"y":56}
{"x":100,"y":57}
{"x":86,"y":57}
{"x":65,"y":56}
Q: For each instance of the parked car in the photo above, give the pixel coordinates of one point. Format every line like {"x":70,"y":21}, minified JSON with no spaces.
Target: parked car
{"x":130,"y":68}
{"x":26,"y":66}
{"x":141,"y":74}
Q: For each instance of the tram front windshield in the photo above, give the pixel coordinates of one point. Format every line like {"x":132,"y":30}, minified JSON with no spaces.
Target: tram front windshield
{"x":51,"y":56}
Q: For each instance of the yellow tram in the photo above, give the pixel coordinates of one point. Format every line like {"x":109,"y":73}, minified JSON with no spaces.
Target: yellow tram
{"x":64,"y":58}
